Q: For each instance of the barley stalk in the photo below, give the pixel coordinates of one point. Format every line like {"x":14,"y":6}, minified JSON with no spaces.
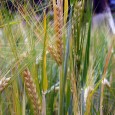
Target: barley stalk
{"x":43,"y":103}
{"x":31,"y":89}
{"x":3,"y":83}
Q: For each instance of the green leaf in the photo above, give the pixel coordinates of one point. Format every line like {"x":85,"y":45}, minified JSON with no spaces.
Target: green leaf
{"x":87,"y":52}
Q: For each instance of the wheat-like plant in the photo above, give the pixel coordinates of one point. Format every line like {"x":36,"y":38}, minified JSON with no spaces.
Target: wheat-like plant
{"x":58,"y":24}
{"x":28,"y":34}
{"x":31,"y":89}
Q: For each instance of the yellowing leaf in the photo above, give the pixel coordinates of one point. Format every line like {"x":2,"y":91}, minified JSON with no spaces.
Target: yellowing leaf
{"x":65,"y":11}
{"x":44,"y":23}
{"x":44,"y":73}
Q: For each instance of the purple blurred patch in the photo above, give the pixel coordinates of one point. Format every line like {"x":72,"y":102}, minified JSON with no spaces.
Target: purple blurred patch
{"x":99,"y":6}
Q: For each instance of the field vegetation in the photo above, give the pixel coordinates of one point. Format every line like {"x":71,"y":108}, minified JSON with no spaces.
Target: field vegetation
{"x":52,"y":62}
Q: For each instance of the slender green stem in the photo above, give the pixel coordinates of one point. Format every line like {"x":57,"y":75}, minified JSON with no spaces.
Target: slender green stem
{"x":101,"y":99}
{"x":61,"y":96}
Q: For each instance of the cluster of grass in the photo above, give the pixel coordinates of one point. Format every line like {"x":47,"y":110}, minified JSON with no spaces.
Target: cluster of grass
{"x":52,"y":62}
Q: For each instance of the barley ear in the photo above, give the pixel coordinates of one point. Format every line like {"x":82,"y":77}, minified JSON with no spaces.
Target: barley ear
{"x":3,"y":83}
{"x":58,"y":24}
{"x":54,"y":55}
{"x":31,"y":90}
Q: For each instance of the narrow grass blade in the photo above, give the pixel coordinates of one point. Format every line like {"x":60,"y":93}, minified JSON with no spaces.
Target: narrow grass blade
{"x":87,"y":52}
{"x":44,"y":73}
{"x":65,"y":11}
